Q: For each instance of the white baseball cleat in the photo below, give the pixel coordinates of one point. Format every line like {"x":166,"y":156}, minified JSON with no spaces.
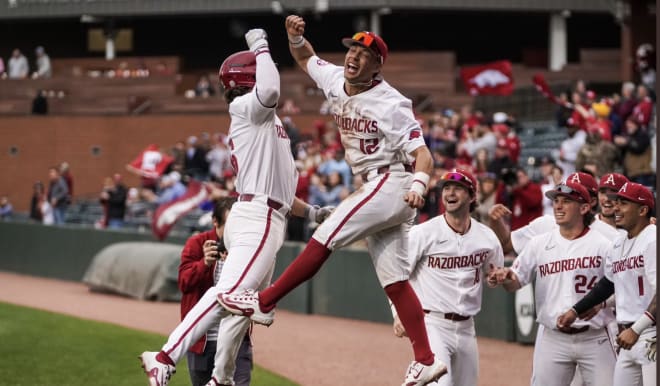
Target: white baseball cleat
{"x":214,"y":382}
{"x":158,"y":373}
{"x":246,"y":303}
{"x":419,"y":374}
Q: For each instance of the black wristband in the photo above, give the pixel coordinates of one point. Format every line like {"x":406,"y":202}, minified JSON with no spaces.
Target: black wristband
{"x":598,"y":294}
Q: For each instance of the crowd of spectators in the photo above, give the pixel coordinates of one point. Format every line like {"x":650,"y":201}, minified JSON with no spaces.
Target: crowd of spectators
{"x":605,"y":133}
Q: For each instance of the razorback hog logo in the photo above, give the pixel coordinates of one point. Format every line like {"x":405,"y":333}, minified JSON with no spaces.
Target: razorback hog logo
{"x":414,"y":134}
{"x":491,"y":78}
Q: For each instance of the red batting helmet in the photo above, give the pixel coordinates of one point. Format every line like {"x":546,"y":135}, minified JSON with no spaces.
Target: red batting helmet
{"x":239,"y":69}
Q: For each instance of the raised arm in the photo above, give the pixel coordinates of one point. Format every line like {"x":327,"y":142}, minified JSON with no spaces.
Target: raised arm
{"x":267,"y":84}
{"x":300,"y":48}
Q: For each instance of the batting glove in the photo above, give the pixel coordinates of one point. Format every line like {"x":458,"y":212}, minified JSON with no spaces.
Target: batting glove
{"x":651,"y":348}
{"x":317,"y":214}
{"x":256,"y":39}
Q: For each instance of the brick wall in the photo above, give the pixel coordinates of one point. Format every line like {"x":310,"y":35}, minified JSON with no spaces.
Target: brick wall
{"x":41,"y":142}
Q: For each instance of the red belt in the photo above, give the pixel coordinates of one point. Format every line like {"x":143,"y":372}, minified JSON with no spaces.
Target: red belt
{"x":385,"y":169}
{"x":573,"y":330}
{"x":451,"y":316}
{"x":270,"y":202}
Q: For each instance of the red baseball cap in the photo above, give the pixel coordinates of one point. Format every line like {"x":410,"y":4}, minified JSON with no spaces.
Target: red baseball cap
{"x":612,"y":181}
{"x":370,"y":40}
{"x":586,"y":180}
{"x":571,"y":190}
{"x":461,"y":177}
{"x":636,"y":193}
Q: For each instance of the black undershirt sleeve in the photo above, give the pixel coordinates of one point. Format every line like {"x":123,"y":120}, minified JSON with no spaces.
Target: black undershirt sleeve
{"x":598,"y":294}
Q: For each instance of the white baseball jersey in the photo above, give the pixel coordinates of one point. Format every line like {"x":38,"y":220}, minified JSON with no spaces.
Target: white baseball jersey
{"x":377,"y":126}
{"x":261,"y":151}
{"x":565,"y":271}
{"x":632,"y":270}
{"x":254,"y":231}
{"x":448,"y":268}
{"x":540,"y":225}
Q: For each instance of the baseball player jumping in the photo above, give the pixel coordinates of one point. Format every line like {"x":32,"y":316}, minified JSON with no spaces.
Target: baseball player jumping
{"x":566,"y":262}
{"x":382,"y":139}
{"x":256,"y":226}
{"x":448,"y":257}
{"x":631,"y":276}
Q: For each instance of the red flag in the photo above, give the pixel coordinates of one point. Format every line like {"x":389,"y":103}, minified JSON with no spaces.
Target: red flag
{"x":493,"y":78}
{"x":151,"y":163}
{"x":167,"y":215}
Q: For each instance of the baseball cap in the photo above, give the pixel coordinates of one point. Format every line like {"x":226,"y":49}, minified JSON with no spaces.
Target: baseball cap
{"x":636,"y":193}
{"x":585,"y":179}
{"x":612,"y":181}
{"x":461,"y":177}
{"x":370,"y":40}
{"x":570,"y":190}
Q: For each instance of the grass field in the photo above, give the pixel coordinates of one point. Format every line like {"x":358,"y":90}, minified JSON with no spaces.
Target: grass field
{"x":42,"y":348}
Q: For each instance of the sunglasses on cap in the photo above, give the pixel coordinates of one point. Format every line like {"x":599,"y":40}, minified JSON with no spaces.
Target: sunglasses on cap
{"x":457,"y":177}
{"x":565,"y":189}
{"x":363,"y":38}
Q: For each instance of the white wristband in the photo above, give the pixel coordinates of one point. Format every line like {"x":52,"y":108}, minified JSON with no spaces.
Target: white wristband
{"x":420,"y":183}
{"x":644,"y":322}
{"x":296,"y":41}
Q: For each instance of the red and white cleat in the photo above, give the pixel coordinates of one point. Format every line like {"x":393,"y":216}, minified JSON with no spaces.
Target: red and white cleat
{"x":419,"y":374}
{"x":158,"y":373}
{"x":246,"y":303}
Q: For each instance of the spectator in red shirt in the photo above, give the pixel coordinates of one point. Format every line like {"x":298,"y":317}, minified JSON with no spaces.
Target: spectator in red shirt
{"x":526,"y":200}
{"x":201,"y":263}
{"x":644,"y":108}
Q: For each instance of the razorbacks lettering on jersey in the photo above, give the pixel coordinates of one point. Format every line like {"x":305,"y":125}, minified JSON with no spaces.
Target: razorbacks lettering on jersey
{"x":377,"y":126}
{"x":256,"y":139}
{"x":448,"y":268}
{"x":565,"y":271}
{"x":632,"y":270}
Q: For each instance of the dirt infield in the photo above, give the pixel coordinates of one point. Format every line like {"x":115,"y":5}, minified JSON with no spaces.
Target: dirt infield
{"x":308,"y":349}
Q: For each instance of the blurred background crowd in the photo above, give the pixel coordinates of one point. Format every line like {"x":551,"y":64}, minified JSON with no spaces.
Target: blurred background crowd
{"x":593,"y":122}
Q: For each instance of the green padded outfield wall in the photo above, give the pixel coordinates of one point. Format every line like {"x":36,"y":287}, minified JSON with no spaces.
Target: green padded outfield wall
{"x":346,"y":286}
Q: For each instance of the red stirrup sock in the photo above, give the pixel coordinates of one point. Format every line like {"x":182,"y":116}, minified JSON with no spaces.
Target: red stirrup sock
{"x":303,"y":268}
{"x":164,"y":358}
{"x":412,"y":317}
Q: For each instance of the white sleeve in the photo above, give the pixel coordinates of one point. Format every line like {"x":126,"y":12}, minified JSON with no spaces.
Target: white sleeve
{"x":521,"y":236}
{"x":524,"y":265}
{"x":416,"y":247}
{"x":323,"y":73}
{"x":404,"y":132}
{"x":650,"y":264}
{"x":266,"y":91}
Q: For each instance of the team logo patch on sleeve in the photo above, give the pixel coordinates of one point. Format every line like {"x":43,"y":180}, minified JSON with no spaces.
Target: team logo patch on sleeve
{"x":414,"y":134}
{"x":321,"y":62}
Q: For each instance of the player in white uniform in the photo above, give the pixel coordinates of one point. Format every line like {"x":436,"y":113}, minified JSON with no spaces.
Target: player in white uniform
{"x":632,"y":278}
{"x":256,"y":226}
{"x":565,"y":263}
{"x":603,"y":223}
{"x":448,"y":257}
{"x":382,"y":139}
